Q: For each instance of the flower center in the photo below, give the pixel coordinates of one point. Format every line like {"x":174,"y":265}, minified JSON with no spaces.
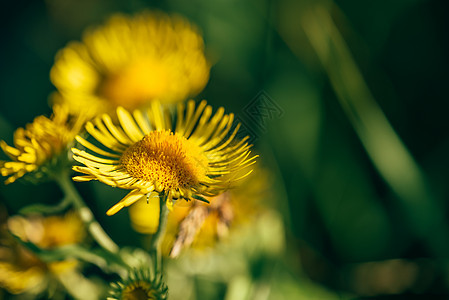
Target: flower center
{"x":140,"y":81}
{"x":169,"y":160}
{"x":139,"y":291}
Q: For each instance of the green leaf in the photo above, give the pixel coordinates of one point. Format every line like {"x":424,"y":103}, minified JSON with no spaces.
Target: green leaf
{"x":45,"y":209}
{"x":105,"y":260}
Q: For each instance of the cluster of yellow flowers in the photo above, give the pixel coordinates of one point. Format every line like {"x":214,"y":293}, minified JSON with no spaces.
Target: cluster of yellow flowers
{"x":20,"y":269}
{"x":121,"y":103}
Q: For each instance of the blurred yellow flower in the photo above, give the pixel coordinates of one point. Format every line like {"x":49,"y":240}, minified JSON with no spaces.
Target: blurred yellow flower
{"x":131,"y":61}
{"x":48,"y":232}
{"x":38,"y":146}
{"x":200,"y":225}
{"x":194,"y":158}
{"x":20,"y":270}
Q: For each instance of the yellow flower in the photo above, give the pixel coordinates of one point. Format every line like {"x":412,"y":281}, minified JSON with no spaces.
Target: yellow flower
{"x":20,"y":270}
{"x":49,"y":232}
{"x":193,"y":158}
{"x":38,"y":146}
{"x":130,"y":61}
{"x":140,"y":284}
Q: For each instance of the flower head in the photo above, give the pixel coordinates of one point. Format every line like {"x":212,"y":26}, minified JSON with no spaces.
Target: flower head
{"x":193,"y":158}
{"x":140,"y":285}
{"x":38,"y":146}
{"x":21,"y":271}
{"x":48,"y":232}
{"x":131,"y":61}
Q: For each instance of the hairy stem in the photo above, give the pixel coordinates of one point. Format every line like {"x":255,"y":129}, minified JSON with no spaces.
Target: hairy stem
{"x":155,"y":247}
{"x":85,"y":214}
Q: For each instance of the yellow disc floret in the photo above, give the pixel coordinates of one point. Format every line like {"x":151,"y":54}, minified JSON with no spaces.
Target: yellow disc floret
{"x":169,"y":160}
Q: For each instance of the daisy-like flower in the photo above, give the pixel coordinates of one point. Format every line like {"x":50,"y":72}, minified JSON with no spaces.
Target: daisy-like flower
{"x":141,"y":284}
{"x":131,"y":61}
{"x":41,"y":145}
{"x":147,"y":153}
{"x":23,"y":272}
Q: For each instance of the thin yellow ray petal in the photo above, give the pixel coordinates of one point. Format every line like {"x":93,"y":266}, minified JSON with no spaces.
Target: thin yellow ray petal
{"x":108,"y":142}
{"x":244,"y":161}
{"x":94,"y":148}
{"x":27,"y":158}
{"x":225,"y":144}
{"x":148,"y":189}
{"x":93,"y":158}
{"x":83,"y":178}
{"x":81,"y":169}
{"x":142,"y":122}
{"x":230,"y":150}
{"x":243,"y":176}
{"x":180,"y":118}
{"x":246,"y":164}
{"x":13,"y":165}
{"x":129,"y":125}
{"x":226,"y":162}
{"x":235,"y":153}
{"x":219,"y":157}
{"x":144,"y":186}
{"x":35,"y":144}
{"x":101,"y":176}
{"x":30,"y":149}
{"x":12,"y":178}
{"x":132,"y":197}
{"x":155,"y":116}
{"x":222,"y":172}
{"x":117,"y":177}
{"x":107,"y":181}
{"x":203,"y":120}
{"x":129,"y":199}
{"x":191,"y":123}
{"x":127,"y":181}
{"x":10,"y":151}
{"x":188,"y":116}
{"x":168,"y":119}
{"x":90,"y":163}
{"x":210,"y":137}
{"x":101,"y":127}
{"x":116,"y":131}
{"x":115,"y":209}
{"x":223,"y":128}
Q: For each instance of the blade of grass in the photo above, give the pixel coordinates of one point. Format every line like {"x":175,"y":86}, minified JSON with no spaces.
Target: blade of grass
{"x":384,"y":147}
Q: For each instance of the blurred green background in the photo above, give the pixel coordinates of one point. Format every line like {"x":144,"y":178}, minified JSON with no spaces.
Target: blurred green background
{"x":346,"y":101}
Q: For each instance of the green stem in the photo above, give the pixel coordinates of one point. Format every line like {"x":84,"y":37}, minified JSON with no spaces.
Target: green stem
{"x":47,"y":209}
{"x":86,"y":214}
{"x":155,"y":247}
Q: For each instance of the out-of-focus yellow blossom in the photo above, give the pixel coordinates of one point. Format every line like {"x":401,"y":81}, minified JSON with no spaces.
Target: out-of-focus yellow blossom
{"x":20,"y":270}
{"x":200,"y":225}
{"x":131,"y":61}
{"x":149,"y":154}
{"x":41,"y":145}
{"x":48,"y":232}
